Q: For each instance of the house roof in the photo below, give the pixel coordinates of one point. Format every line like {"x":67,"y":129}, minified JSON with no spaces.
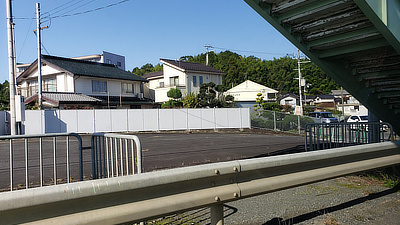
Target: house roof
{"x":57,"y":98}
{"x":153,"y":75}
{"x":190,"y":66}
{"x":85,"y":68}
{"x":339,"y":92}
{"x":291,"y":95}
{"x":249,"y":85}
{"x":325,"y":96}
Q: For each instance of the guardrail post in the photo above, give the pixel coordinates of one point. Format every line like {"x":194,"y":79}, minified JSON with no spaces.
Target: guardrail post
{"x":217,"y":214}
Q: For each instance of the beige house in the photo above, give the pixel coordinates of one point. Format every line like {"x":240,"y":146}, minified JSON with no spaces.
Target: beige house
{"x":72,"y":83}
{"x":186,"y":76}
{"x":245,"y":94}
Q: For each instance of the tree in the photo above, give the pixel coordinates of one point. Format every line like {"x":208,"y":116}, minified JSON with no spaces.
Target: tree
{"x":174,"y":93}
{"x":209,"y":97}
{"x":190,"y":100}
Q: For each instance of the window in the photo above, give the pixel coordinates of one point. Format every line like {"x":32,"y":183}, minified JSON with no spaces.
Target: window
{"x":50,"y":84}
{"x":119,"y":64}
{"x":194,"y":81}
{"x":99,"y":86}
{"x":126,"y":88}
{"x":32,"y":87}
{"x":174,"y":81}
{"x":200,"y":80}
{"x":271,"y":96}
{"x":108,"y":61}
{"x":161,"y":84}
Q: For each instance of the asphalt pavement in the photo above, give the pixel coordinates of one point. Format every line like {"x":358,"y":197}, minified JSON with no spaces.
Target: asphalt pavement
{"x":160,"y":151}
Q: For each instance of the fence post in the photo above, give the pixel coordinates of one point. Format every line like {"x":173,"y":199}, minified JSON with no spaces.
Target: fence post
{"x":298,"y":122}
{"x":274,"y":120}
{"x":217,"y":214}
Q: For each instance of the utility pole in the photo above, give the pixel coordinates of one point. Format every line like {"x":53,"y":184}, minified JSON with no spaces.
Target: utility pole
{"x":11,"y":66}
{"x":207,"y":46}
{"x":302,"y":82}
{"x":298,"y":68}
{"x":39,"y":59}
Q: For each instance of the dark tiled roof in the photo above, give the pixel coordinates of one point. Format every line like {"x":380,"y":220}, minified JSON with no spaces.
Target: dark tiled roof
{"x":91,"y":69}
{"x":124,"y":100}
{"x":189,"y":66}
{"x":154,"y":74}
{"x":64,"y":97}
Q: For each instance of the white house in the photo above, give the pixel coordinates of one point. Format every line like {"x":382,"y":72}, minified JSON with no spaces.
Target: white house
{"x":245,"y":94}
{"x":186,"y":76}
{"x":73,"y":83}
{"x":349,"y":105}
{"x":289,"y":99}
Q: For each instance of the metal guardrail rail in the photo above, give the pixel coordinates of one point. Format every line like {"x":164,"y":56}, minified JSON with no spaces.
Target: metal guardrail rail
{"x":151,"y":195}
{"x":333,"y":135}
{"x":28,"y":157}
{"x":115,"y":155}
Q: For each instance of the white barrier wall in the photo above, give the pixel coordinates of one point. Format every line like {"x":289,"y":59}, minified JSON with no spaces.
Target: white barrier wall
{"x":126,"y":120}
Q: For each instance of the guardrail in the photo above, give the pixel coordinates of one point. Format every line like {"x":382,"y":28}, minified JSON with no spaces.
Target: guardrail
{"x":115,"y":155}
{"x":151,"y":195}
{"x":29,"y":157}
{"x":333,"y":135}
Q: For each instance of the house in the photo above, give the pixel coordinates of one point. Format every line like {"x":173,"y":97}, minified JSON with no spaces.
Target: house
{"x":349,"y":105}
{"x":245,"y":94}
{"x":186,"y":76}
{"x":325,"y":101}
{"x":74,"y":83}
{"x":105,"y":57}
{"x":289,"y":99}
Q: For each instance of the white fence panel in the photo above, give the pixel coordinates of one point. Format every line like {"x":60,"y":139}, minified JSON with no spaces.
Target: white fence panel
{"x":53,"y":124}
{"x":208,"y":118}
{"x":102,"y":120}
{"x":194,"y":117}
{"x":86,"y":121}
{"x":33,"y":122}
{"x":221,"y":118}
{"x":151,"y":119}
{"x":122,"y":120}
{"x":119,"y":121}
{"x":180,"y":119}
{"x":4,"y":124}
{"x":166,"y":120}
{"x":135,"y":120}
{"x":70,"y":118}
{"x":245,"y":117}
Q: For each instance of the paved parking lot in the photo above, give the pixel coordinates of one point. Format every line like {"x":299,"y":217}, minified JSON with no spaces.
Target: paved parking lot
{"x":160,"y":151}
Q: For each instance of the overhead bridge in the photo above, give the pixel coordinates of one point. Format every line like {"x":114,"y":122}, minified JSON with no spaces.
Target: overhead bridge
{"x":356,"y":42}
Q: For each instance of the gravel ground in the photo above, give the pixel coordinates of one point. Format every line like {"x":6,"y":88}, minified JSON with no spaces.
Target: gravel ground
{"x":348,"y":200}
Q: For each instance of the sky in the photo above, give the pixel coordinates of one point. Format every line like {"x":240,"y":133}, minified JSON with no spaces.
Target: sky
{"x":141,"y":30}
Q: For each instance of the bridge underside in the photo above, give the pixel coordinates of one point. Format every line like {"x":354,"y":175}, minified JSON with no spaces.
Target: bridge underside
{"x":356,"y":42}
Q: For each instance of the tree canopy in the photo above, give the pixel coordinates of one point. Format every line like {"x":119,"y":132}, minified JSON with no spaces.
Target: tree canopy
{"x":279,"y":74}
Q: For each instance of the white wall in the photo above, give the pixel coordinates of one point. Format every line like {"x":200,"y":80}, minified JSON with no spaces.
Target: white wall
{"x":130,"y":120}
{"x":84,"y":85}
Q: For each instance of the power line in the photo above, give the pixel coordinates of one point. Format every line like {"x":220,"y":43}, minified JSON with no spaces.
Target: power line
{"x":89,"y":11}
{"x":69,"y":6}
{"x":236,"y":50}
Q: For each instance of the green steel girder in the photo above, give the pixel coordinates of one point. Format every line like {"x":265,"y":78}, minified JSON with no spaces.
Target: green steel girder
{"x":384,"y":14}
{"x":336,"y":67}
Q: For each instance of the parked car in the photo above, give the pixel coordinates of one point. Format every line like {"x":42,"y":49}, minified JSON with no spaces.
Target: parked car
{"x":323,"y":117}
{"x":363,"y":119}
{"x":359,"y":119}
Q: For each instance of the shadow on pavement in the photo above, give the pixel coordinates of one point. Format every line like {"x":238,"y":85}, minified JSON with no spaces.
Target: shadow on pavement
{"x":314,"y":214}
